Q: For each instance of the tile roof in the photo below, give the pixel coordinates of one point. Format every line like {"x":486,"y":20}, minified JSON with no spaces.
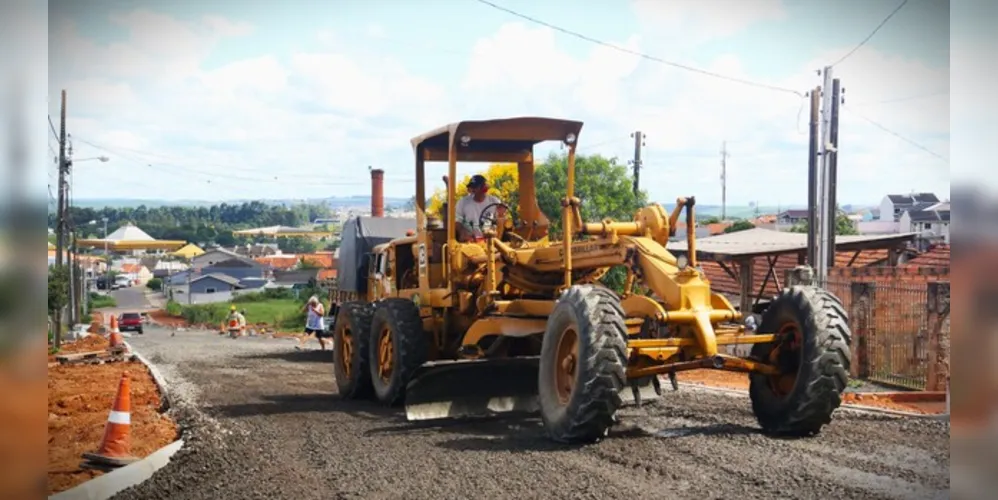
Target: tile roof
{"x":321,"y":259}
{"x":722,"y":282}
{"x":327,"y":274}
{"x":937,"y":256}
{"x":278,"y":261}
{"x":224,"y":278}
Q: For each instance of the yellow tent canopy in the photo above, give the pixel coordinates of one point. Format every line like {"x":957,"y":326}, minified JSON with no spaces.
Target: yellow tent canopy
{"x":188,"y":251}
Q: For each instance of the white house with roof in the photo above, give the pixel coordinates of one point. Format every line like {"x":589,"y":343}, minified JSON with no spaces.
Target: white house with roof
{"x":893,"y":206}
{"x":931,"y":222}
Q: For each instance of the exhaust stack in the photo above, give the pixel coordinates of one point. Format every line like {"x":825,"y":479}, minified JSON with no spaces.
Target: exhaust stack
{"x":377,"y":193}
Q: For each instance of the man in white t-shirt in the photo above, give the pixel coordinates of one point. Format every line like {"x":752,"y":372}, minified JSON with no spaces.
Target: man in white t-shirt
{"x":468,"y":212}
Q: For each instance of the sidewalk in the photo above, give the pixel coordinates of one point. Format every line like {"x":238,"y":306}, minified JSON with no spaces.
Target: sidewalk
{"x":156,"y":300}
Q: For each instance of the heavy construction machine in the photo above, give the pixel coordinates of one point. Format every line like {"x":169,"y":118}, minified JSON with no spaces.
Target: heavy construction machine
{"x":518,"y":321}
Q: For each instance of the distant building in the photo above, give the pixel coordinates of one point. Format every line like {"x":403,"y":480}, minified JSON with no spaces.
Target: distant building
{"x":894,"y":205}
{"x":930,"y":222}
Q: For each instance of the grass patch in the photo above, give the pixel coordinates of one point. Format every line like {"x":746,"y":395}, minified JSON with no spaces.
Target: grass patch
{"x":98,"y":301}
{"x":280,"y":313}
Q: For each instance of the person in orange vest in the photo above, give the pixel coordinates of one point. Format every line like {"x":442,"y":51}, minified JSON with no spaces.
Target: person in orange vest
{"x":236,"y":321}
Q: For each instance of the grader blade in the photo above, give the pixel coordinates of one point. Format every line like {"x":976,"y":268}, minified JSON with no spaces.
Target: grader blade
{"x":641,"y":390}
{"x":472,"y":388}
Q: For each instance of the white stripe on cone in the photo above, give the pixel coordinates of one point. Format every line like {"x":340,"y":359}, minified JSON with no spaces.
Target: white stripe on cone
{"x":120,"y":417}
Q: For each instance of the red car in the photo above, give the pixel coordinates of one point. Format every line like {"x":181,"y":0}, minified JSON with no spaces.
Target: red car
{"x":130,"y":321}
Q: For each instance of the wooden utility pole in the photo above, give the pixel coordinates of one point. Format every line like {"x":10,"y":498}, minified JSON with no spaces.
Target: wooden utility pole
{"x":724,"y":181}
{"x":812,"y":180}
{"x":639,"y":141}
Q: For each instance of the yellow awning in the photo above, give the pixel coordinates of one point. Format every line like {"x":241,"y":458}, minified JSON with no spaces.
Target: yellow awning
{"x":133,"y":244}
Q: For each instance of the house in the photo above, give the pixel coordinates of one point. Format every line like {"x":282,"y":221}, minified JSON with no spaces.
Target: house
{"x":214,"y":283}
{"x":295,"y":279}
{"x":137,"y":273}
{"x":787,"y":219}
{"x":165,"y":268}
{"x":254,"y":250}
{"x":253,"y":284}
{"x":895,"y":205}
{"x":188,"y":251}
{"x":212,"y":257}
{"x":931,"y":222}
{"x":236,"y":268}
{"x":324,"y":260}
{"x":283,"y":262}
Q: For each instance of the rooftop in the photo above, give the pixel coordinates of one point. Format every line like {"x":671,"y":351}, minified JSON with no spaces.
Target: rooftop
{"x":758,"y":241}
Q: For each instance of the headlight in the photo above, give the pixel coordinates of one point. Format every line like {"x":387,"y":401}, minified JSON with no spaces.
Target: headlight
{"x":682,"y":262}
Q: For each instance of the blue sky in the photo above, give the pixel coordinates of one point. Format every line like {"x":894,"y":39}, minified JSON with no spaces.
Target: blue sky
{"x":222,"y":99}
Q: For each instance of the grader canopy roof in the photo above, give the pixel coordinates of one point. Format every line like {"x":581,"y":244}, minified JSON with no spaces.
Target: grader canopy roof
{"x":507,"y":135}
{"x":360,"y":236}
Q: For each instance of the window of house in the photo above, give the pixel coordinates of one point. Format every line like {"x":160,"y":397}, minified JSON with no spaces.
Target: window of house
{"x":209,"y":290}
{"x":928,"y":225}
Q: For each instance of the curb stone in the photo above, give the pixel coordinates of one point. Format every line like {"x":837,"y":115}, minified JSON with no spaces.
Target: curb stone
{"x":107,"y":485}
{"x":157,"y":378}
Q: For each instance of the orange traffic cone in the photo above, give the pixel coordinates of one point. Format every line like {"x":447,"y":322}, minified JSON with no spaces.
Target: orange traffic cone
{"x":115,"y":447}
{"x":114,"y":323}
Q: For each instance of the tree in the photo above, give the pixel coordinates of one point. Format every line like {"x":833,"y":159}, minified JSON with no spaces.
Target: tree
{"x":604,"y":187}
{"x":297,"y":244}
{"x":504,"y":183}
{"x":740,"y":225}
{"x":58,"y":298}
{"x":710,"y":219}
{"x":843,"y":225}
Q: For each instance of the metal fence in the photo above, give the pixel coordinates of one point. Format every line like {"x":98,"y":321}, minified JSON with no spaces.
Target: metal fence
{"x":896,"y":338}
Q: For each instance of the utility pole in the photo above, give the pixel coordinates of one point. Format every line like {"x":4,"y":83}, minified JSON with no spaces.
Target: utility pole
{"x":639,"y":141}
{"x":812,"y":181}
{"x":724,"y":181}
{"x":824,"y":225}
{"x":60,"y":230}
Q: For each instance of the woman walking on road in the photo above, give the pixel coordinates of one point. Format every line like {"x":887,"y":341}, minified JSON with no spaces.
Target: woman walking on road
{"x":314,"y":322}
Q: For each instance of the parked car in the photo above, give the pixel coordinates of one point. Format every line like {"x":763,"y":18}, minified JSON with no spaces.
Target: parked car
{"x":130,"y":322}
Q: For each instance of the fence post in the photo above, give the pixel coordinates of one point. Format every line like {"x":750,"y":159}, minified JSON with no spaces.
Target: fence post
{"x":862,"y":313}
{"x":799,"y":276}
{"x":937,"y":313}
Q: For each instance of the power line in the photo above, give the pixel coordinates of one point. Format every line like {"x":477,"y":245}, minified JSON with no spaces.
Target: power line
{"x":636,"y":53}
{"x":903,"y":99}
{"x":52,"y":127}
{"x":874,"y":32}
{"x":217,"y":176}
{"x":895,"y":134}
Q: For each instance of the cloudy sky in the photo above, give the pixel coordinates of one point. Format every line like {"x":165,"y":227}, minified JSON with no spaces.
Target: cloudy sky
{"x":231,"y":99}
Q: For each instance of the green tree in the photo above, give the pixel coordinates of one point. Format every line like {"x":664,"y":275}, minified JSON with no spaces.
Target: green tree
{"x":58,"y":298}
{"x":740,"y":225}
{"x":604,"y":187}
{"x":710,"y":219}
{"x":843,"y":225}
{"x":297,"y":244}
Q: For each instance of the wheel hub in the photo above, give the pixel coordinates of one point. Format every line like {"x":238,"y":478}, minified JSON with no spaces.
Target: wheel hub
{"x":786,"y":355}
{"x":346,"y":351}
{"x":566,"y":364}
{"x":386,"y":355}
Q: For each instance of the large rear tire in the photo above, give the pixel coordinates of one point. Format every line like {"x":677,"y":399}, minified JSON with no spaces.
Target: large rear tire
{"x":583,"y":365}
{"x":350,"y":346}
{"x":813,"y":350}
{"x":398,"y":346}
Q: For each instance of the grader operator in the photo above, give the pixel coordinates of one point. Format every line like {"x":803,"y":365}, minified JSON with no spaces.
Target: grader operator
{"x":519,"y":321}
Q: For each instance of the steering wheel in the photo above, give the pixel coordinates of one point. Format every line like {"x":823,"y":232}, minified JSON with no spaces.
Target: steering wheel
{"x":493,"y":216}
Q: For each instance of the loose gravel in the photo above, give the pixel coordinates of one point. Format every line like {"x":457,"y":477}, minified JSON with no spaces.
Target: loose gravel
{"x":261,"y":420}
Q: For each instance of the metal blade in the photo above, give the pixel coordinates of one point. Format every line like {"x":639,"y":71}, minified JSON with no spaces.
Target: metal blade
{"x":641,"y":390}
{"x":471,"y":388}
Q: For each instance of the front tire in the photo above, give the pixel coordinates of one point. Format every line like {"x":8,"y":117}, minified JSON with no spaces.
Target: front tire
{"x":398,"y":347}
{"x":813,"y":350}
{"x":583,"y":365}
{"x":350,"y":346}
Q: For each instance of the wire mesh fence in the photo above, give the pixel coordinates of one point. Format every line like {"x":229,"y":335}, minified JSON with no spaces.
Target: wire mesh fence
{"x":892,"y":336}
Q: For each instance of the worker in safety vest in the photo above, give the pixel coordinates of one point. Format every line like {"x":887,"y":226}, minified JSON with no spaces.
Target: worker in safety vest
{"x":236,"y":321}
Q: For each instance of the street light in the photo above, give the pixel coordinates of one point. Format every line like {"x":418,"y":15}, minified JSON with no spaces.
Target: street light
{"x":102,"y":159}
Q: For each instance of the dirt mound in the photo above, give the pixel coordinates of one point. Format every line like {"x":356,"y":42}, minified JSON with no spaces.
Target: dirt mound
{"x":79,"y":400}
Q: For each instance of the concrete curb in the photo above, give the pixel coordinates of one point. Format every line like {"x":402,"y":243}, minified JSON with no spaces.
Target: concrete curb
{"x":157,"y":377}
{"x":108,"y":485}
{"x":862,"y":409}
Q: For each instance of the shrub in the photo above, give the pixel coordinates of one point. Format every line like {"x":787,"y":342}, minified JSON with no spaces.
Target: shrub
{"x":205,"y":313}
{"x":174,"y":309}
{"x":155,"y":284}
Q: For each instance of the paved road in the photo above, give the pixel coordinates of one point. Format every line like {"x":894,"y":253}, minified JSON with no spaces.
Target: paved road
{"x":264,"y":422}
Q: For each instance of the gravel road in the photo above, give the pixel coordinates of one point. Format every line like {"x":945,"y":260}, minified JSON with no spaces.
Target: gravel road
{"x":262,"y":421}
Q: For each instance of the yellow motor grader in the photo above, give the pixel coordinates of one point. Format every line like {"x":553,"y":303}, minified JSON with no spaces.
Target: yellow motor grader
{"x":519,"y":322}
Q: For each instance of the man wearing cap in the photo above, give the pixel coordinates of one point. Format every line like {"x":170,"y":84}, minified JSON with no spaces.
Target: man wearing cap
{"x":469,"y":209}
